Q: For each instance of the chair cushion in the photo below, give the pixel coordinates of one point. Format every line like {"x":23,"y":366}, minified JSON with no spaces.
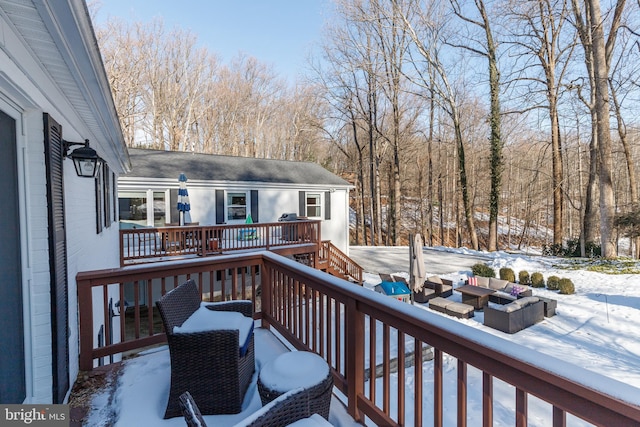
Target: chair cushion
{"x":203,"y":320}
{"x":483,"y":281}
{"x":497,"y":284}
{"x":459,"y":308}
{"x":440,"y":302}
{"x":508,"y":308}
{"x":434,"y":279}
{"x":527,"y":300}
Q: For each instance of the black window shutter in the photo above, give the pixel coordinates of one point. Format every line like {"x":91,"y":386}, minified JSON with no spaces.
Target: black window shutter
{"x":254,"y":205}
{"x":57,"y":257}
{"x":327,"y":205}
{"x":302,"y":211}
{"x":107,"y":195}
{"x":99,"y":201}
{"x":114,"y":190}
{"x":219,"y":206}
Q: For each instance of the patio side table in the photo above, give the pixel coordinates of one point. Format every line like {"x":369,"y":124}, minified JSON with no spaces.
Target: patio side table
{"x":298,"y":369}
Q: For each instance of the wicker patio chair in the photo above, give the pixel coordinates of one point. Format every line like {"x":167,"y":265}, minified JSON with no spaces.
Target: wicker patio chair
{"x":214,"y":366}
{"x":285,"y":410}
{"x":385,"y":277}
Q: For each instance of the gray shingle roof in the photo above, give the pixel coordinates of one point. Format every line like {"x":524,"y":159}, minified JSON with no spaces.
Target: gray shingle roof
{"x":208,"y":167}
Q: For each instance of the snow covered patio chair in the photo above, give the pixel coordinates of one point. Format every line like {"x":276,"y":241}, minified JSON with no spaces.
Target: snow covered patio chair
{"x":287,"y":410}
{"x":211,"y":346}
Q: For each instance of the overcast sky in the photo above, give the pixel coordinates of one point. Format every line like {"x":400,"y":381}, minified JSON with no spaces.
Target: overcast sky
{"x":276,"y":32}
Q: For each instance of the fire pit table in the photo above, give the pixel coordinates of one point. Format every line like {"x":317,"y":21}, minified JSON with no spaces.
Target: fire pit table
{"x":477,"y":296}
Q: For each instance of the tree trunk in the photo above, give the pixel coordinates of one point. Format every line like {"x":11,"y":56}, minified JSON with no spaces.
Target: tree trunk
{"x":464,"y":190}
{"x":631,"y":169}
{"x":557,"y":174}
{"x":601,"y":70}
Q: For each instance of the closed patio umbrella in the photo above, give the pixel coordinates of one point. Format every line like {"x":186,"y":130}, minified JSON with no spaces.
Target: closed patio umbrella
{"x":183,"y":200}
{"x":418,"y":270}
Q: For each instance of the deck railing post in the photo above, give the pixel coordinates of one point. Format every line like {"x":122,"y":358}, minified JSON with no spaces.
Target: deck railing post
{"x":266,"y":282}
{"x":85,"y":307}
{"x":354,"y":357}
{"x":122,"y":248}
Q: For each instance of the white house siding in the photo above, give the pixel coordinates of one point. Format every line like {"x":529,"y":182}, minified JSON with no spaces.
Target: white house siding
{"x":26,"y":92}
{"x":273,"y":201}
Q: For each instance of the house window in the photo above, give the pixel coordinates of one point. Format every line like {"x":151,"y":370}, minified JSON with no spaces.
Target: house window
{"x":236,"y":206}
{"x":313,"y":205}
{"x":159,"y":210}
{"x":132,"y":208}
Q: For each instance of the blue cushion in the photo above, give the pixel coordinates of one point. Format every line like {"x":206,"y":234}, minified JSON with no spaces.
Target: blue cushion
{"x":395,"y":288}
{"x":245,"y":345}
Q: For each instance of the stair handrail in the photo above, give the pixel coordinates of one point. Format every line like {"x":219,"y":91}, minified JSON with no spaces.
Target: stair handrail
{"x":339,"y":261}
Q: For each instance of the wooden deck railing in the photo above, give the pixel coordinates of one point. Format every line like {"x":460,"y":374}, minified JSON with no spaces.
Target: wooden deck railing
{"x":359,"y":333}
{"x":149,"y":244}
{"x":337,"y":261}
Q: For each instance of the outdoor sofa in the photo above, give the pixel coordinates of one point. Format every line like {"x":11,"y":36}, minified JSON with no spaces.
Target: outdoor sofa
{"x":514,"y":316}
{"x":505,"y":291}
{"x":216,"y":363}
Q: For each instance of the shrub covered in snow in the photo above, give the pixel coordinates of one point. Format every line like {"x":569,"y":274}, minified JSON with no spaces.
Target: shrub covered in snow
{"x":483,"y":270}
{"x":507,"y":273}
{"x":553,"y":283}
{"x":566,"y":286}
{"x":537,"y":280}
{"x":523,"y":277}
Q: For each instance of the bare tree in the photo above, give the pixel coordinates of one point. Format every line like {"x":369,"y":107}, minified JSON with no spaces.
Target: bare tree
{"x":538,"y":31}
{"x":496,"y":142}
{"x":425,"y":29}
{"x":590,"y":25}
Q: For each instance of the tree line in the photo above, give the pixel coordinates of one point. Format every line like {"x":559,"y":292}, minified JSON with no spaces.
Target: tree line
{"x":478,"y":123}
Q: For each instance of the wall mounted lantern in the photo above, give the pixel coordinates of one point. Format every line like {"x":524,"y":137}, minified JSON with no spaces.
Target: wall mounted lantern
{"x":85,"y":159}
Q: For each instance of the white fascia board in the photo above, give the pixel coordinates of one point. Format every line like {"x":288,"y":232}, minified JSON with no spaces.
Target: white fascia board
{"x":71,"y":28}
{"x":163,"y":183}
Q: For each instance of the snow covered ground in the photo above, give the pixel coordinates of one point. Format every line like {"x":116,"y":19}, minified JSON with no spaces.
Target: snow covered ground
{"x":596,"y":328}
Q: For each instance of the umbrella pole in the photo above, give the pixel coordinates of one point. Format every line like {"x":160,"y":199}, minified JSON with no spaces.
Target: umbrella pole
{"x":411,"y":257}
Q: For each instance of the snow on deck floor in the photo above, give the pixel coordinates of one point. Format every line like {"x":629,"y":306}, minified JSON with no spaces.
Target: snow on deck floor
{"x":143,"y":389}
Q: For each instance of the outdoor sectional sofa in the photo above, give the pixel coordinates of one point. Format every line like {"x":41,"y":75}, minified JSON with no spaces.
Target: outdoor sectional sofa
{"x":514,"y":316}
{"x":505,"y":291}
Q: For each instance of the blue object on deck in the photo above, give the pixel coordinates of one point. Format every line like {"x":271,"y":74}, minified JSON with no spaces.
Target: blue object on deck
{"x":395,"y":288}
{"x":247,"y":234}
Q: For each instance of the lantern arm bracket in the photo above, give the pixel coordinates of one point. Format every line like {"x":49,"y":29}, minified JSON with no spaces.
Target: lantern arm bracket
{"x":68,"y":144}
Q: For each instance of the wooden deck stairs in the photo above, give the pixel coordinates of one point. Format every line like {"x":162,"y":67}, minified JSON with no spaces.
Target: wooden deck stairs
{"x":337,"y":263}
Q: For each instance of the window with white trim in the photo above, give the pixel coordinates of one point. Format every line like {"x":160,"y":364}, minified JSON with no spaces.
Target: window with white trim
{"x":313,"y":205}
{"x":237,"y":206}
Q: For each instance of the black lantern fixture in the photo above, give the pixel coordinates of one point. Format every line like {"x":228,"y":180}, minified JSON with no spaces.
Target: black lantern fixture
{"x":85,"y":159}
